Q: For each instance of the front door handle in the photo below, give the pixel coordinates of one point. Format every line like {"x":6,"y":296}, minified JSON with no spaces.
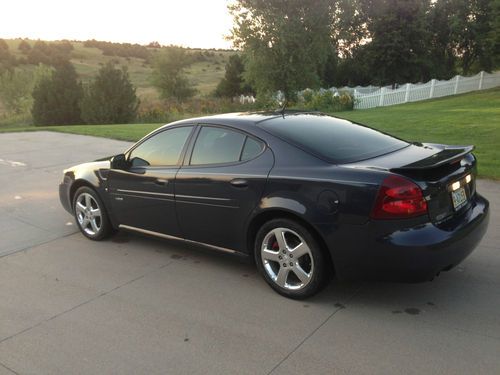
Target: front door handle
{"x":161,"y":181}
{"x":239,"y":183}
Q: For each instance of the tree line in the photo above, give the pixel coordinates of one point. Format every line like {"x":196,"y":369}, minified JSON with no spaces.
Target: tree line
{"x":293,"y":45}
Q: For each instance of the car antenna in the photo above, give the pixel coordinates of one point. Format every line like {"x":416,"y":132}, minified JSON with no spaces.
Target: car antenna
{"x":283,"y":109}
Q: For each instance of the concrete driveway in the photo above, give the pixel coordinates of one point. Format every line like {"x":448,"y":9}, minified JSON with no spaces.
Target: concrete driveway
{"x":140,"y":305}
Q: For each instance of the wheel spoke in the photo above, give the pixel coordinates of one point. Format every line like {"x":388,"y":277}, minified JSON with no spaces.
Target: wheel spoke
{"x":270,"y":255}
{"x":301,"y":274}
{"x":85,"y":222}
{"x":80,"y":207}
{"x":282,"y":276}
{"x":300,"y":250}
{"x":280,"y":238}
{"x":88,"y":203}
{"x":96,"y":212}
{"x":93,"y":223}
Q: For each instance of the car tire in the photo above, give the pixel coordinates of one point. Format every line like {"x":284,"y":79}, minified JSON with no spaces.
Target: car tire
{"x":290,"y":259}
{"x":90,"y":214}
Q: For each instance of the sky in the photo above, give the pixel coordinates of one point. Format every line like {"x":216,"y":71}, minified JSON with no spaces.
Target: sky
{"x":189,"y":23}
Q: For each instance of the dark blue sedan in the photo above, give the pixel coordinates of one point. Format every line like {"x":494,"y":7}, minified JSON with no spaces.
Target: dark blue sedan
{"x":306,"y":195}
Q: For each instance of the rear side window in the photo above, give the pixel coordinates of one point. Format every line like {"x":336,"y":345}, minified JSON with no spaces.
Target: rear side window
{"x":220,"y":145}
{"x":251,"y":149}
{"x":161,"y":149}
{"x":336,"y":140}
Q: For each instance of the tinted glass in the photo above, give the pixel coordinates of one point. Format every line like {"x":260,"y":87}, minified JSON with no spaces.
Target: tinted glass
{"x":161,"y":149}
{"x":216,"y":146}
{"x":251,"y":149}
{"x":339,"y":141}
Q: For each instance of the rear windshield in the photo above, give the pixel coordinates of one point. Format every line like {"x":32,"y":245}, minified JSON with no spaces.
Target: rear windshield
{"x":337,"y":140}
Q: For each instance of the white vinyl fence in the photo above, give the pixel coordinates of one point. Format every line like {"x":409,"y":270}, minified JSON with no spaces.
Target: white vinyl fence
{"x":371,"y":96}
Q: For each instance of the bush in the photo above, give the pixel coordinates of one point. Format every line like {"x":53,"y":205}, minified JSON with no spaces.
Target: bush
{"x":326,"y":101}
{"x":169,"y":75}
{"x":110,"y":98}
{"x":24,"y":46}
{"x":153,"y":113}
{"x":57,"y":98}
{"x":56,"y":53}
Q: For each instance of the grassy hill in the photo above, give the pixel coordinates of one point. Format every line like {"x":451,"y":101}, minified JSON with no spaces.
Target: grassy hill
{"x":204,"y":74}
{"x":472,"y":118}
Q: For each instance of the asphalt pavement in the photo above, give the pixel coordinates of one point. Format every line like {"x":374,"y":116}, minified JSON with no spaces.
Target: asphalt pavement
{"x":138,"y":305}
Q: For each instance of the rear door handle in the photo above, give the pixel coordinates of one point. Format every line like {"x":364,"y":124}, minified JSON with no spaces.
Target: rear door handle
{"x":239,"y":183}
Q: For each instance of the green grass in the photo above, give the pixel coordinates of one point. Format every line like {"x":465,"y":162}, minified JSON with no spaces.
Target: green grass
{"x":125,"y":132}
{"x":472,"y":118}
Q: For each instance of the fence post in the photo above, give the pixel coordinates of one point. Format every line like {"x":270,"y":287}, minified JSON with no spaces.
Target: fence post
{"x":481,"y":77}
{"x":381,"y":100}
{"x":456,"y":84}
{"x":407,"y":92}
{"x":433,"y":84}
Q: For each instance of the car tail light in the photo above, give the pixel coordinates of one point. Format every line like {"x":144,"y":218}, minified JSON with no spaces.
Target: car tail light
{"x":398,"y":198}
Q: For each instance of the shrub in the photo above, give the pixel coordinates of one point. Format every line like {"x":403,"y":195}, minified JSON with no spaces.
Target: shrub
{"x":24,"y":46}
{"x":57,"y":98}
{"x":326,"y":101}
{"x":110,"y":98}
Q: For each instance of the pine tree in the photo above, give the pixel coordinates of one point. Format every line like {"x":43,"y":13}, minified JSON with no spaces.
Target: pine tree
{"x":110,"y":98}
{"x":57,"y":98}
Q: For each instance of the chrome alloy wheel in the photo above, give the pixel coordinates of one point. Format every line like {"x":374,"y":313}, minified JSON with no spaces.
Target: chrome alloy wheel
{"x":88,"y":214}
{"x":287,"y":259}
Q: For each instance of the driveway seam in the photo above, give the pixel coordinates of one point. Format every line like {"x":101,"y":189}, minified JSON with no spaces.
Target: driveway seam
{"x":83,"y":303}
{"x":8,"y":368}
{"x":11,"y":252}
{"x":315,"y":330}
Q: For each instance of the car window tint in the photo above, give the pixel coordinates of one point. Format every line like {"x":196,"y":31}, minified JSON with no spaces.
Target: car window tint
{"x":251,"y":149}
{"x":337,"y":140}
{"x":161,"y":149}
{"x":216,"y":146}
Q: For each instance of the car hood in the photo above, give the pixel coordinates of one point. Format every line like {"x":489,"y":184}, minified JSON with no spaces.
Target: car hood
{"x":91,"y":166}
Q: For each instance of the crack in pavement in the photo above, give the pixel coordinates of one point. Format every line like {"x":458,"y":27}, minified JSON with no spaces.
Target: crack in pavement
{"x":8,"y":368}
{"x":31,"y":246}
{"x":315,"y":330}
{"x":84,"y":302}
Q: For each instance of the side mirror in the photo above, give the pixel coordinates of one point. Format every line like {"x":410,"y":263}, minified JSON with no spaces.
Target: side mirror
{"x":119,"y":162}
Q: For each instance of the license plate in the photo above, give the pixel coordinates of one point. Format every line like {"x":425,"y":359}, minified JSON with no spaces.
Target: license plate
{"x":459,"y":198}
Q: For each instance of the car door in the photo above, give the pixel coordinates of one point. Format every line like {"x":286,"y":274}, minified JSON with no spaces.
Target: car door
{"x":142,"y":195}
{"x":220,"y":183}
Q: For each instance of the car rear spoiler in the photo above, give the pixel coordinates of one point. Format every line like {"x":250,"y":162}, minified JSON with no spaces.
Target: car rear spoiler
{"x":448,"y":155}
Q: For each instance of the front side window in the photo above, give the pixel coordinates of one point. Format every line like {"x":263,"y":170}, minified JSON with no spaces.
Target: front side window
{"x":164,"y":148}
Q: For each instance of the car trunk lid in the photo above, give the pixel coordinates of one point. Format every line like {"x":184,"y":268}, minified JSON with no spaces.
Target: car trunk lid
{"x":446,"y":175}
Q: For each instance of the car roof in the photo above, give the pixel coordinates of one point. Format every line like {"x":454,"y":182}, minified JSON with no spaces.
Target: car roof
{"x":243,"y":120}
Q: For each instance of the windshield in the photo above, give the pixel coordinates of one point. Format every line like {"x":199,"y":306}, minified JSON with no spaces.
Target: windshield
{"x":337,"y":140}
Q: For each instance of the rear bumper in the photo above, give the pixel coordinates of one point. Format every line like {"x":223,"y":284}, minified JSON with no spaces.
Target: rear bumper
{"x":412,"y":253}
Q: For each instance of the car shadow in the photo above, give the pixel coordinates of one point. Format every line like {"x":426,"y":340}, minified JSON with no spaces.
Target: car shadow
{"x":452,"y":290}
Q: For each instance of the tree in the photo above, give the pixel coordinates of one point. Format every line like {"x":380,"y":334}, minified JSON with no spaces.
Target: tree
{"x":15,"y":89}
{"x":232,"y":84}
{"x":24,"y":46}
{"x":7,"y":61}
{"x":285,"y":44}
{"x":110,"y":98}
{"x":472,"y":22}
{"x":398,"y":50}
{"x":169,"y":74}
{"x":57,"y":98}
{"x":494,"y":34}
